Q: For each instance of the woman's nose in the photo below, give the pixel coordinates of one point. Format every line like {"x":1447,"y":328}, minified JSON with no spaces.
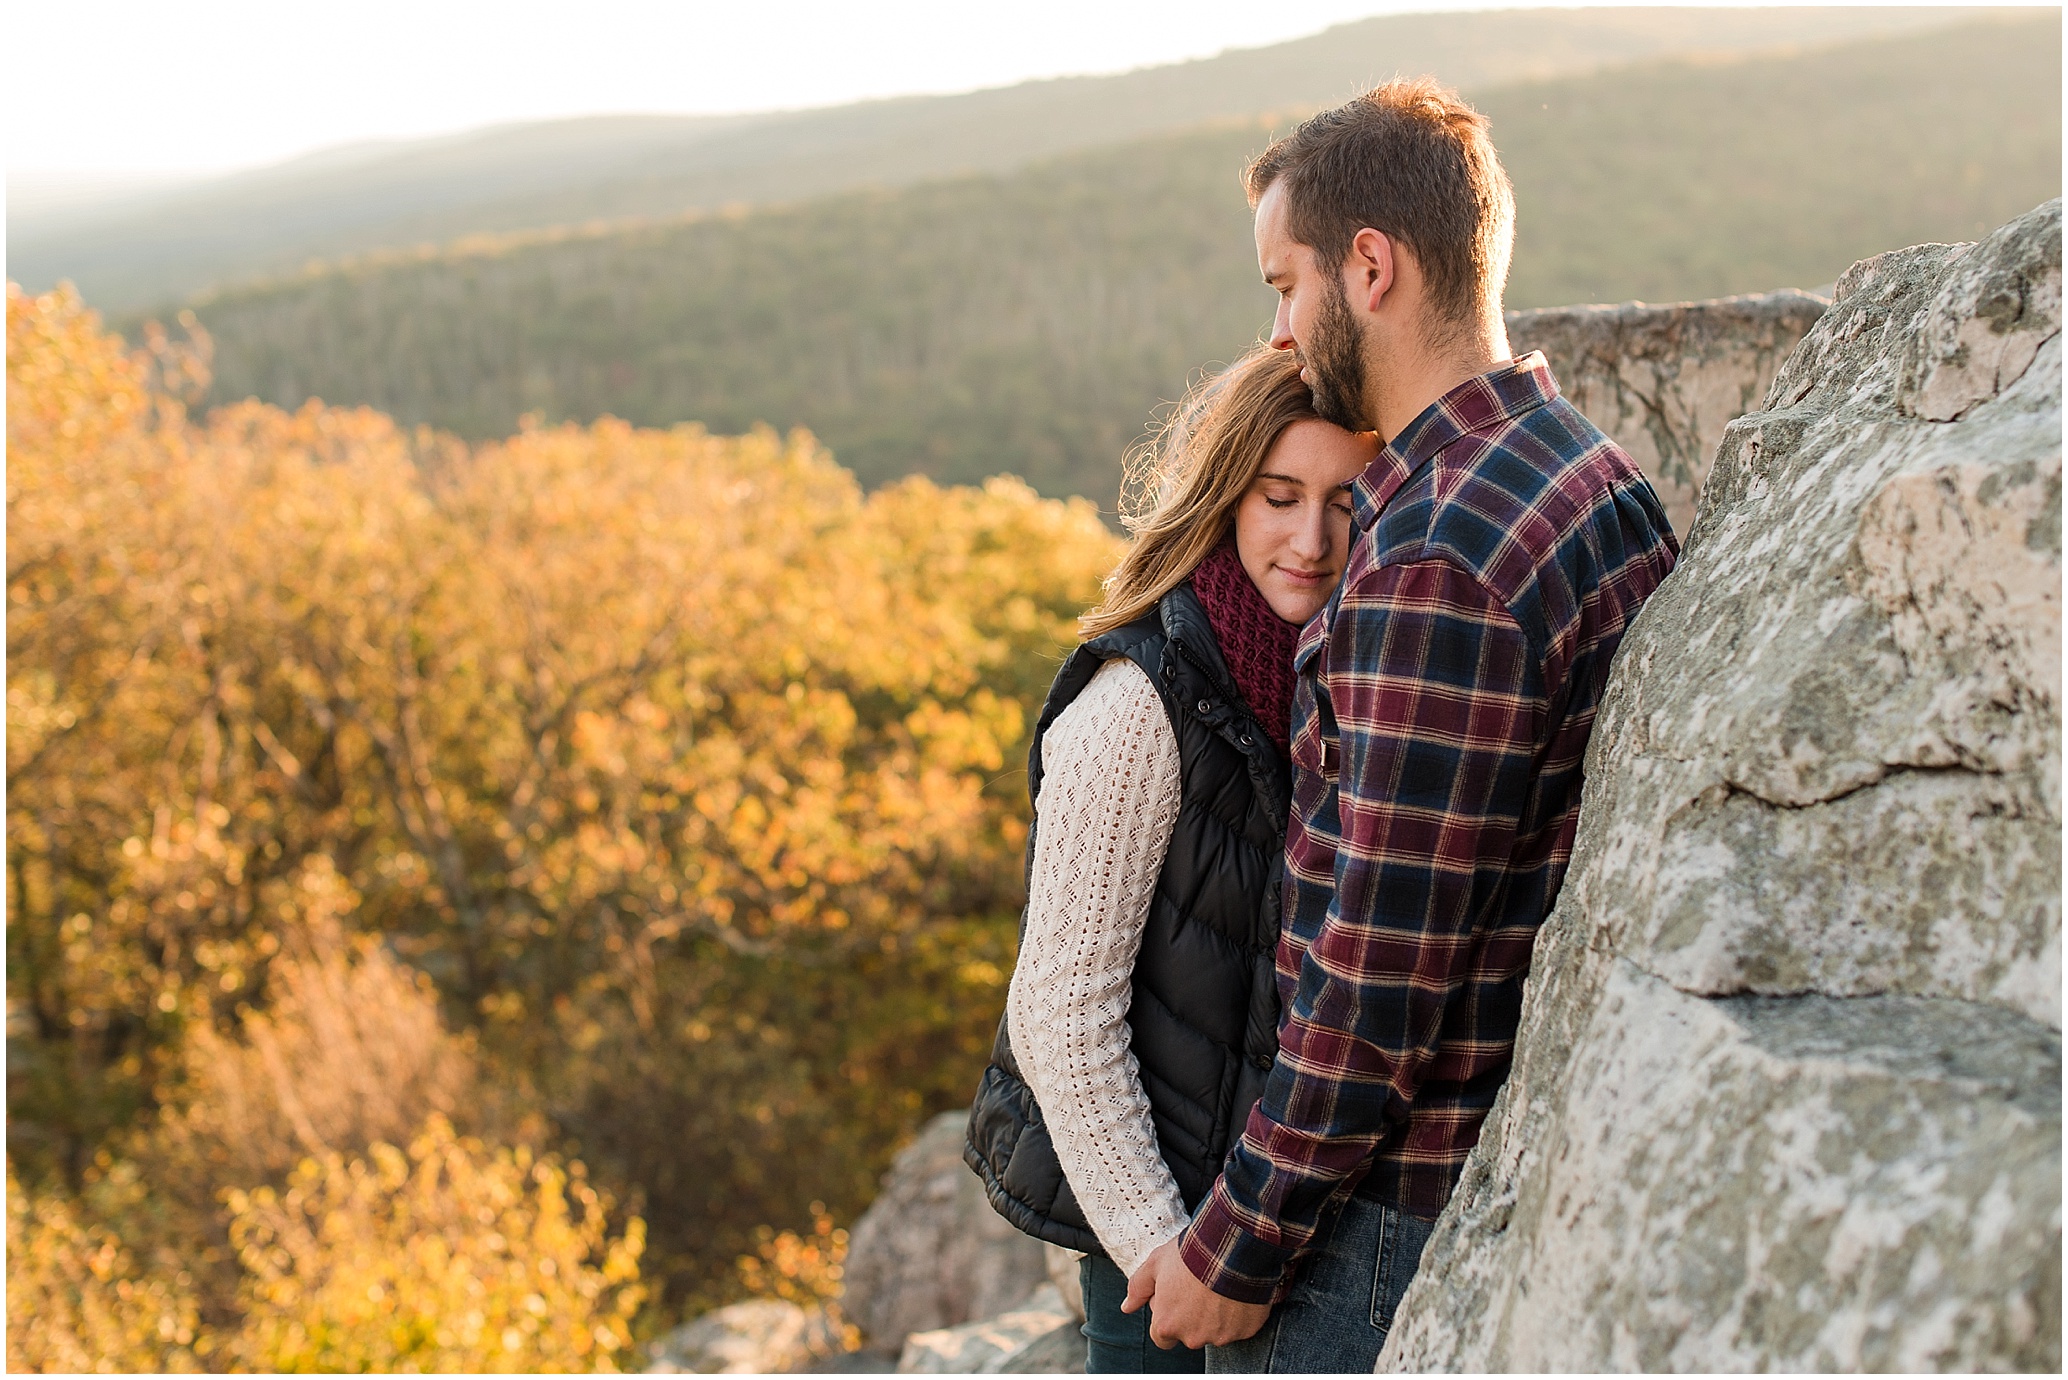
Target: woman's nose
{"x":1310,"y":538}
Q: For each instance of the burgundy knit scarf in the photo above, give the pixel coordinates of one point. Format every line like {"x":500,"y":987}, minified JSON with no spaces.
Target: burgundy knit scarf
{"x":1255,"y":642}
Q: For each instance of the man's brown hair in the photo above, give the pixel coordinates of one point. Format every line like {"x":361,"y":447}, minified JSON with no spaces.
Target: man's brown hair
{"x":1409,"y":159}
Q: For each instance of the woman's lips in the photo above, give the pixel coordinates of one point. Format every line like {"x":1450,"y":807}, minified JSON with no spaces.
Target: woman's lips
{"x":1302,"y":577}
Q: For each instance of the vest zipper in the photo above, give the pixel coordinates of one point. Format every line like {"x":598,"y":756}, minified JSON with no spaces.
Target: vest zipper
{"x":1255,"y":750}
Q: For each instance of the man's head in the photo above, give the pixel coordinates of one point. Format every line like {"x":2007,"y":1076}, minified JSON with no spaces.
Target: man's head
{"x":1386,"y":225}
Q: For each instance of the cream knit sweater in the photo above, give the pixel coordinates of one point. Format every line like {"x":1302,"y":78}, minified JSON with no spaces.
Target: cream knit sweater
{"x":1108,"y":803}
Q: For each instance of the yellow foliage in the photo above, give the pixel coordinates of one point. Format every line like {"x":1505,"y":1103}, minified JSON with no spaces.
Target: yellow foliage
{"x":446,"y":1257}
{"x":451,"y":1256}
{"x":806,"y":1270}
{"x":70,"y":386}
{"x":349,"y":1051}
{"x":79,"y":1298}
{"x":616,"y":735}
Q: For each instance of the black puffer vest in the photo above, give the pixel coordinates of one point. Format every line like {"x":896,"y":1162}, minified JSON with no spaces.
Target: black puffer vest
{"x":1204,"y":1011}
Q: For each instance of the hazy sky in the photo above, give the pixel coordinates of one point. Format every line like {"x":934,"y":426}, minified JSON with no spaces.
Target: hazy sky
{"x":96,"y":86}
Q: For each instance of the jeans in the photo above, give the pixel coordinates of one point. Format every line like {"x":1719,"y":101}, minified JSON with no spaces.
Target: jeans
{"x":1118,"y":1343}
{"x":1335,"y":1319}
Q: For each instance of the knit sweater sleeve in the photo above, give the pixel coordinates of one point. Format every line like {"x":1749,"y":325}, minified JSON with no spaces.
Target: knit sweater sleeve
{"x":1108,"y":803}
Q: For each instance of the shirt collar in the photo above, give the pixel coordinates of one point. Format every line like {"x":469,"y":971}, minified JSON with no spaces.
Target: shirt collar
{"x":1476,"y":405}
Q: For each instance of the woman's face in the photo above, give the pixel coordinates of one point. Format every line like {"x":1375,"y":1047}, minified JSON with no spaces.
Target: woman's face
{"x":1292,"y":527}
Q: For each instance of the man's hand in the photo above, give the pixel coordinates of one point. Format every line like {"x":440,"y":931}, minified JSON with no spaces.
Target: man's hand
{"x":1186,"y":1312}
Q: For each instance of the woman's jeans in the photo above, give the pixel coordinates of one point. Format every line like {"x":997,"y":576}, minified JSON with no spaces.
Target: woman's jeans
{"x":1336,"y":1318}
{"x":1117,"y":1342}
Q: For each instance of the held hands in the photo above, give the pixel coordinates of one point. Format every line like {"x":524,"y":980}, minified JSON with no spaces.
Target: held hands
{"x":1187,"y":1313}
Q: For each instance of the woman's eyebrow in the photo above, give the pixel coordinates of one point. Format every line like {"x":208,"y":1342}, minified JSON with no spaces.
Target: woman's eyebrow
{"x":1283,"y":478}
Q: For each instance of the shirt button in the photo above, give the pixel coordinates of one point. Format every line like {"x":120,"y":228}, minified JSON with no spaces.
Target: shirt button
{"x":1245,"y":740}
{"x":1260,"y":1063}
{"x":1206,"y":706}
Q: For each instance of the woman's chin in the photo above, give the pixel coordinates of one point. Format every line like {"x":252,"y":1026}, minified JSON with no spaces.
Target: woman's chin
{"x":1295,"y":608}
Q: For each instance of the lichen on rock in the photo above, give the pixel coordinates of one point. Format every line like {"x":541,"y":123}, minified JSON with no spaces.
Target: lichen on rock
{"x":1787,"y":1089}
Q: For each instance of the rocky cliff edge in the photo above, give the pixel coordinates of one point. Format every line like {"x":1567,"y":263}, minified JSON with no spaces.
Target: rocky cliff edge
{"x":1787,"y":1091}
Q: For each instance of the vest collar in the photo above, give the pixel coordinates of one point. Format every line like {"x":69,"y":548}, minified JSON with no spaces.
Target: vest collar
{"x":1192,"y":637}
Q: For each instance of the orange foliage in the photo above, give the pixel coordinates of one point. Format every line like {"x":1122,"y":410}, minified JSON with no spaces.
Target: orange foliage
{"x":687,"y":772}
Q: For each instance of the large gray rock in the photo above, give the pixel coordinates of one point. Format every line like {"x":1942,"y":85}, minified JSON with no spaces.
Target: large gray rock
{"x":1062,"y":1351}
{"x":1787,"y":1089}
{"x":758,"y":1337}
{"x":930,"y":1252}
{"x":1064,"y":1273}
{"x":1033,"y":1336}
{"x":1664,"y":380}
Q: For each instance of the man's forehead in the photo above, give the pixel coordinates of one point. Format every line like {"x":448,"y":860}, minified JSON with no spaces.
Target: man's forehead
{"x":1274,"y":243}
{"x":1271,"y":210}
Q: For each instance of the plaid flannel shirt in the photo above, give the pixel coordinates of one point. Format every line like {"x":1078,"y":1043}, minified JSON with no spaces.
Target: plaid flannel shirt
{"x":1501,"y":546}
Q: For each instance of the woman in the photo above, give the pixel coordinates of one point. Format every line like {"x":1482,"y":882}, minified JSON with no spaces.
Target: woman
{"x":1143,"y":1012}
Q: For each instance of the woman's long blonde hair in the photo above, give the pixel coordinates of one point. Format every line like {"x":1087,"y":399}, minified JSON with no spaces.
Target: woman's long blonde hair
{"x":1180,"y":488}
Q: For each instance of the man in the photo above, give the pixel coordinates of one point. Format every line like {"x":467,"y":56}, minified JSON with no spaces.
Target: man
{"x":1501,"y":546}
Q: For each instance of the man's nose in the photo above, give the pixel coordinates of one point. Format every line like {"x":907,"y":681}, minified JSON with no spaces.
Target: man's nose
{"x":1281,"y":326}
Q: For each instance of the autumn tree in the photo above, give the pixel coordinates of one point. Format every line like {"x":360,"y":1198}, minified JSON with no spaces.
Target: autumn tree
{"x":688,"y":774}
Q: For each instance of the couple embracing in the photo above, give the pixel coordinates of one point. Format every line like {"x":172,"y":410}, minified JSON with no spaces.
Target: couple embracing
{"x":1309,"y":786}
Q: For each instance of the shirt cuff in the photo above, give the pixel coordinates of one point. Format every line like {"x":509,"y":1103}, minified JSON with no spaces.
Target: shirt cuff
{"x":1229,"y":1259}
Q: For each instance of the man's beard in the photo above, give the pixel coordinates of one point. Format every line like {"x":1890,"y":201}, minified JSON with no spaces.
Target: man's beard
{"x":1334,"y":361}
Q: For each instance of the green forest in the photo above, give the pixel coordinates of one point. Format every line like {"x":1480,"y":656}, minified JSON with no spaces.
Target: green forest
{"x":1032,"y":322}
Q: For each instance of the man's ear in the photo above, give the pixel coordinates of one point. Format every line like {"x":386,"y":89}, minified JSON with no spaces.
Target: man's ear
{"x":1369,"y":272}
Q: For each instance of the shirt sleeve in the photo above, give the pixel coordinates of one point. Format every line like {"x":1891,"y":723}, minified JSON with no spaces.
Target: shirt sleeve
{"x":1437,"y":702}
{"x":1109,"y":801}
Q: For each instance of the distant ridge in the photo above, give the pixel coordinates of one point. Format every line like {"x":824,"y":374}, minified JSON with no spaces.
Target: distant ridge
{"x":1030,"y":322}
{"x":153,"y":249}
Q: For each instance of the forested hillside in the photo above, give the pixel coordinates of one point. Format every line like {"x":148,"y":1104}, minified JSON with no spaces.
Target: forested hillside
{"x":572,"y":172}
{"x":1030,"y":323}
{"x":459,"y":897}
